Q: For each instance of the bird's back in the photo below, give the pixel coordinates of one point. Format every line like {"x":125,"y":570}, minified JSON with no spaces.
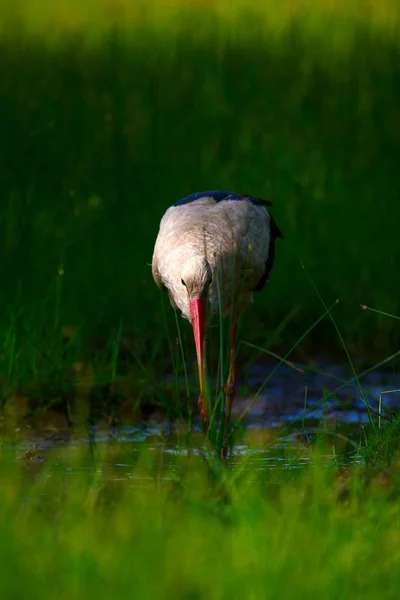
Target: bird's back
{"x":234,"y":233}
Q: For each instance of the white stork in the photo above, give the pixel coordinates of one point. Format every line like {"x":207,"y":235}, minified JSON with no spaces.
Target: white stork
{"x":218,"y":246}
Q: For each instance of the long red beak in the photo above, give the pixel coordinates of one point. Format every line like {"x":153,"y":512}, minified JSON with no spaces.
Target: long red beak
{"x":198,"y":313}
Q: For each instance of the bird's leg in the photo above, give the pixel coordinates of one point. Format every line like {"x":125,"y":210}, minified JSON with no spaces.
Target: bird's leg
{"x":202,"y":405}
{"x":229,"y":390}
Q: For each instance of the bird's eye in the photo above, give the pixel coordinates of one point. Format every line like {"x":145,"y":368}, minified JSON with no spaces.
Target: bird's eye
{"x":183,"y":283}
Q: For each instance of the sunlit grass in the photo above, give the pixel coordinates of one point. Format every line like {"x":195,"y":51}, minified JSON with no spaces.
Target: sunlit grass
{"x":96,"y":16}
{"x":165,"y":526}
{"x":182,"y":97}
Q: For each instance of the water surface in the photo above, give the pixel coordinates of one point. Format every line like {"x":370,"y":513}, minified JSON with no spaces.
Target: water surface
{"x":284,"y":411}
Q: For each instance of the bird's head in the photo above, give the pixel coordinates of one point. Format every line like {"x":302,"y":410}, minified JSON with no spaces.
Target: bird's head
{"x":196,"y":277}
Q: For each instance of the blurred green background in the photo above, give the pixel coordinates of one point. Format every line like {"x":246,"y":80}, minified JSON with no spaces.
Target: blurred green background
{"x":111,"y":111}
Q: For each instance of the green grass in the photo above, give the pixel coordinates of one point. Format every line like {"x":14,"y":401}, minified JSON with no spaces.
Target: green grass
{"x":181,"y":526}
{"x":107,"y":120}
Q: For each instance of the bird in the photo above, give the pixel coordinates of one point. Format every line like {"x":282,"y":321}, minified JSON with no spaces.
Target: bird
{"x":212,"y":251}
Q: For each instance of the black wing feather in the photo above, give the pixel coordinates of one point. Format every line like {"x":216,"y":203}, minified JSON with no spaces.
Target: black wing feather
{"x":219,"y":196}
{"x":269,"y":263}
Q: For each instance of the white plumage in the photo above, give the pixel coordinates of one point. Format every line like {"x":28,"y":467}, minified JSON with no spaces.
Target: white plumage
{"x":215,"y":245}
{"x":231,"y":235}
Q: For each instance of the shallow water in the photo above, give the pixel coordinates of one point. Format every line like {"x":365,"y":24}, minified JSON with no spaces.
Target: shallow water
{"x":292,"y":406}
{"x":324,"y":391}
